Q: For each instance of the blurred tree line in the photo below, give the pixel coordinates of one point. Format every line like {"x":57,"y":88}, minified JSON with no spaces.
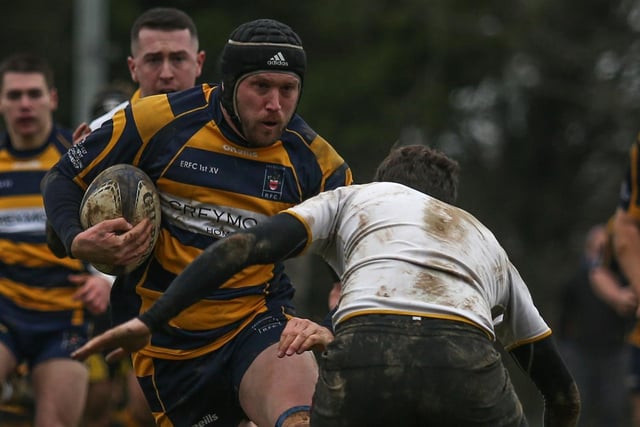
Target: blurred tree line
{"x":537,"y":100}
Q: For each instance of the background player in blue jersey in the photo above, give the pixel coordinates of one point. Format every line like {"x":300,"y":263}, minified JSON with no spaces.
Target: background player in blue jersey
{"x":224,"y":158}
{"x":426,"y":290}
{"x":43,"y":299}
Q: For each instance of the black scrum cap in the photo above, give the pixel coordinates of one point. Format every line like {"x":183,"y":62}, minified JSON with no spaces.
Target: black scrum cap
{"x":259,"y":46}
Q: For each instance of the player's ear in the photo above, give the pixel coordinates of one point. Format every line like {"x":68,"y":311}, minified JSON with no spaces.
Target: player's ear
{"x":200,"y":61}
{"x":131,"y":63}
{"x":53,"y":96}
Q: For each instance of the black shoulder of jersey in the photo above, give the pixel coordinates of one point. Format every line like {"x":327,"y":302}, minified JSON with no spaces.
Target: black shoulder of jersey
{"x":188,"y":100}
{"x":298,"y":126}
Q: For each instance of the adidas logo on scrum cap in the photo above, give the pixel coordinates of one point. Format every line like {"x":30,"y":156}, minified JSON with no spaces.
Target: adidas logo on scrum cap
{"x":263,"y":44}
{"x":278,"y":59}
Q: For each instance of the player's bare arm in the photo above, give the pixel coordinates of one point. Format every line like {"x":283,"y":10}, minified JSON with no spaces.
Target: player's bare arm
{"x":80,"y":132}
{"x":621,"y":298}
{"x":93,"y":291}
{"x":626,"y":243}
{"x":128,"y":337}
{"x":301,"y":335}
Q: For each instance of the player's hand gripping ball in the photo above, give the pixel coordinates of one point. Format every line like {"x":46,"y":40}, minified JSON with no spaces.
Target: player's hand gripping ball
{"x":125,"y":191}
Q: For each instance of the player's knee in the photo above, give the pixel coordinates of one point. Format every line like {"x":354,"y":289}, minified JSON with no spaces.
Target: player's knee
{"x":298,"y":416}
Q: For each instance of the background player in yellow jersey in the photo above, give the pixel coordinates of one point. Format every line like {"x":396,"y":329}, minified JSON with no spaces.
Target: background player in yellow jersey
{"x":626,"y":230}
{"x":596,"y":314}
{"x":43,"y":299}
{"x":626,"y":244}
{"x":224,"y":158}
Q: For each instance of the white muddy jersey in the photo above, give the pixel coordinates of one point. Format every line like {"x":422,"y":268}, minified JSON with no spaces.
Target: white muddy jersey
{"x":418,"y":256}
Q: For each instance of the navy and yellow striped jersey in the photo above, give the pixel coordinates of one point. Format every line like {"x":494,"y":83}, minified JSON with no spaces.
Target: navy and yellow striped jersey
{"x":211,"y":183}
{"x":629,"y":199}
{"x":31,"y":276}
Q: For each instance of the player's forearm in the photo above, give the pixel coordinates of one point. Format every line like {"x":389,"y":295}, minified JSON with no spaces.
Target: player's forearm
{"x":541,"y":361}
{"x":628,"y":256}
{"x":217,"y":264}
{"x":62,"y":199}
{"x":557,"y":415}
{"x":626,"y":243}
{"x":278,"y":238}
{"x":605,"y":286}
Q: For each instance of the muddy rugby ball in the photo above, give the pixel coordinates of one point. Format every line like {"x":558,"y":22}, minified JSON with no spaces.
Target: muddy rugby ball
{"x":121,"y":191}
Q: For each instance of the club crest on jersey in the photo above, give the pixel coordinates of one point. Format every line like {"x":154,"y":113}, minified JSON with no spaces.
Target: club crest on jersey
{"x":273,"y":182}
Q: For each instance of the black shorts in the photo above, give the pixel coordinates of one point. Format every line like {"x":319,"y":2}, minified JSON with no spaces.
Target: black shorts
{"x":388,"y":370}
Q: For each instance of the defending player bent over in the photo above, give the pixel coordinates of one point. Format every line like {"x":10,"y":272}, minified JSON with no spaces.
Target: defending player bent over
{"x":426,"y":290}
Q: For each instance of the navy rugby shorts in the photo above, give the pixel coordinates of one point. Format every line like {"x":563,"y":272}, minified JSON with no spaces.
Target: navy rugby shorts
{"x":36,"y":336}
{"x":203,"y":391}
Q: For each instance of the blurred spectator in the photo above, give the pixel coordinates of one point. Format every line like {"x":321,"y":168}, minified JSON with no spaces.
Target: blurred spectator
{"x":597,"y":313}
